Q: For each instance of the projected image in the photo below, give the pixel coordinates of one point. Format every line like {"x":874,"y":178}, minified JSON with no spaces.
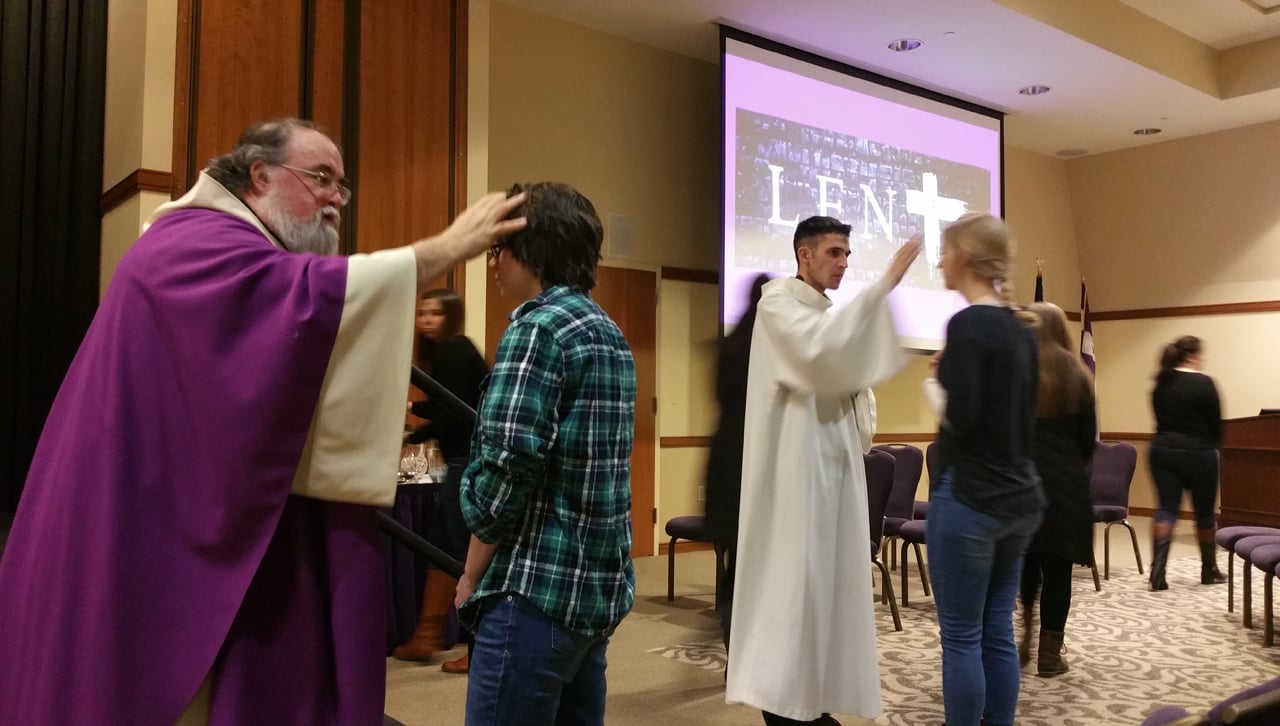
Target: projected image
{"x":787,"y":171}
{"x":806,"y":138}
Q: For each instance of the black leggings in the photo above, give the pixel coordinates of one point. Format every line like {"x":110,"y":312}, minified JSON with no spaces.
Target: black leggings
{"x":1052,"y":575}
{"x":1174,"y":470}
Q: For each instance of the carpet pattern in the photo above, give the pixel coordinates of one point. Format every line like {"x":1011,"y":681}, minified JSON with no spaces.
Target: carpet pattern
{"x":1130,"y":651}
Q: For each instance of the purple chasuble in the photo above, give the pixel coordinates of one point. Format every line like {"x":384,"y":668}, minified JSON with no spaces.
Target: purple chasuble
{"x":156,"y":542}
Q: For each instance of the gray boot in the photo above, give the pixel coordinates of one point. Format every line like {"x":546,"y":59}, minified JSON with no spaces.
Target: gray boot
{"x":1049,"y":660}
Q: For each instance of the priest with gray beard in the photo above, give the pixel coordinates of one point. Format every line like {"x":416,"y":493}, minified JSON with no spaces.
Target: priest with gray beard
{"x":196,"y":540}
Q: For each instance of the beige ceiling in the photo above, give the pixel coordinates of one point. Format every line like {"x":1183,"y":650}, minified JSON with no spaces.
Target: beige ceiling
{"x":1185,"y":66}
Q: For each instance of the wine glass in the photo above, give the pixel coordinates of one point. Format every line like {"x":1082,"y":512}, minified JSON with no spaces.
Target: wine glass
{"x":436,"y":466}
{"x":414,"y":460}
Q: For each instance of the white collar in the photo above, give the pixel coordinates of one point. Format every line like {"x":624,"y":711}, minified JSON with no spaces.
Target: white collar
{"x":207,"y":193}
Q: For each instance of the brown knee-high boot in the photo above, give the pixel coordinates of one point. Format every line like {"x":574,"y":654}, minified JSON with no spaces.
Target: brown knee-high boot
{"x":428,"y":638}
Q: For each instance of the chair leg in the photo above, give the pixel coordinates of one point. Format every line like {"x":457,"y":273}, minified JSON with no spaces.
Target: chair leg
{"x":1267,"y":630}
{"x":886,"y":587}
{"x":903,"y":571}
{"x":1106,"y":551}
{"x":1137,"y":555}
{"x":1231,"y":585}
{"x":671,"y":570}
{"x":889,"y":543}
{"x":1246,"y":594}
{"x":924,"y":571}
{"x":1093,"y":568}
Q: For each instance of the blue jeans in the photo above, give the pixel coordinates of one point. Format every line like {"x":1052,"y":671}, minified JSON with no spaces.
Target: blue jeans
{"x":527,"y":669}
{"x":975,"y":562}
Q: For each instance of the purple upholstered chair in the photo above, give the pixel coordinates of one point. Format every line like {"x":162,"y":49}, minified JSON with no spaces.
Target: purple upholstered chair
{"x":912,"y":534}
{"x":1257,"y":706}
{"x":1245,"y":547}
{"x":691,"y":527}
{"x":909,"y":462}
{"x":1227,"y":537}
{"x":1112,"y":473}
{"x":880,"y":467}
{"x":1267,"y":558}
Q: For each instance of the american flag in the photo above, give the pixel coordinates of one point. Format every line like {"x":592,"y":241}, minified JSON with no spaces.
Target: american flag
{"x":1086,"y":331}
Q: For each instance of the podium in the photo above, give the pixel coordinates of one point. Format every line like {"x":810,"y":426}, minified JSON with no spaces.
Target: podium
{"x":1250,"y":475}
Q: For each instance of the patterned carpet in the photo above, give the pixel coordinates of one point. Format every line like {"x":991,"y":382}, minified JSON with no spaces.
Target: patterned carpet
{"x":1129,"y":649}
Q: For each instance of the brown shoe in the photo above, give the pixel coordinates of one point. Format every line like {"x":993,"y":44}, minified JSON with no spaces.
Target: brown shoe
{"x":437,"y":598}
{"x":460,"y":665}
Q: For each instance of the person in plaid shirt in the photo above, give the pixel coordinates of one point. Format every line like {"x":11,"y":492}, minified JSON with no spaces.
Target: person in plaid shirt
{"x":547,"y":493}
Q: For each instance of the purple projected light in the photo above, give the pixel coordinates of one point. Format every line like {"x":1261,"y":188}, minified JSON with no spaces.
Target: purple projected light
{"x":796,"y":146}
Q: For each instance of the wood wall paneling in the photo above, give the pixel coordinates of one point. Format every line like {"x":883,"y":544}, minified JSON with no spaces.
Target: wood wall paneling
{"x":405,"y":122}
{"x":245,"y":66}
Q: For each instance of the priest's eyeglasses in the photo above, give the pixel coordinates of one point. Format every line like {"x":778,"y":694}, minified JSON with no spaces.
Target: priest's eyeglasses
{"x":323,"y":182}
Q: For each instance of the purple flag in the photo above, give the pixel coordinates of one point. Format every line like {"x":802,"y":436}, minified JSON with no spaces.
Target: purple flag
{"x":1039,"y":287}
{"x":1086,"y":331}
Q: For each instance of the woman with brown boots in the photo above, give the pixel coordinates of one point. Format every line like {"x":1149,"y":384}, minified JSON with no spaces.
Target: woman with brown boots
{"x":454,"y":362}
{"x":1066,"y":435}
{"x":1184,"y":454}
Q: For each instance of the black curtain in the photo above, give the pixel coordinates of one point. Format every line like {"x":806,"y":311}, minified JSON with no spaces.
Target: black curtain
{"x":52,"y":80}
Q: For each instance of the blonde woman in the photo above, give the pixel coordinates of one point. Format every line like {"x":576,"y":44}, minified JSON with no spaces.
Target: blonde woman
{"x":987,"y":501}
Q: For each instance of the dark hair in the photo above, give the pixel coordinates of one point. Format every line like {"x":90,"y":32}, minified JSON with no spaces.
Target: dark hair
{"x":738,"y":341}
{"x":1066,"y":384}
{"x":808,"y":232}
{"x":1175,"y":354}
{"x":452,"y":306}
{"x":560,"y":243}
{"x":265,"y":141}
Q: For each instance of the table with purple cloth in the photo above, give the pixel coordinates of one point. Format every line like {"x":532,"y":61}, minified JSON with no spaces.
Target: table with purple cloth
{"x":406,"y":574}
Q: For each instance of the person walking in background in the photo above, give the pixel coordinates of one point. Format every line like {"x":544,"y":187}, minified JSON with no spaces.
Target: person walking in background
{"x":453,"y":360}
{"x":987,"y":502}
{"x":1184,"y":454}
{"x":1066,"y":435}
{"x":724,"y":462}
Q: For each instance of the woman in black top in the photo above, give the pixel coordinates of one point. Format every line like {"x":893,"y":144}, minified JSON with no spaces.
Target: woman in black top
{"x":724,"y":462}
{"x":987,"y":502}
{"x":1184,"y":454}
{"x":1066,"y":435}
{"x":452,"y":359}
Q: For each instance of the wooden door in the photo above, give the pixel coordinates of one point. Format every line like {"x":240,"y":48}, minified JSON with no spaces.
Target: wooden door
{"x":631,"y":299}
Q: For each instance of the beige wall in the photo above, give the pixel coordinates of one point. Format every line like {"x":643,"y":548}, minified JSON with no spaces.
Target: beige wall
{"x":1193,"y":221}
{"x":141,"y":46}
{"x":635,"y":129}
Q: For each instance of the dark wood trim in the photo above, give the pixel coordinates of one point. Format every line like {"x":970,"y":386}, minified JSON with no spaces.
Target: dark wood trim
{"x":1149,"y":512}
{"x":1259,"y":306}
{"x":903,"y":438}
{"x":1076,"y":316}
{"x":184,"y":84}
{"x":307,"y":51}
{"x":684,"y":545}
{"x":684,"y":442}
{"x":141,"y":180}
{"x":459,"y":92}
{"x":687,"y":274}
{"x":1125,"y":436}
{"x":350,"y":119}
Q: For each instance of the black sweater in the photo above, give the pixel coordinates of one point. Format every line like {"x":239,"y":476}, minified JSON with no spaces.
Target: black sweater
{"x":990,"y":372}
{"x":1188,"y":412}
{"x":460,"y":368}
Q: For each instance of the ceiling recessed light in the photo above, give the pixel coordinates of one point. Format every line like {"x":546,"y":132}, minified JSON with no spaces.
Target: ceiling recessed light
{"x":1035,"y":90}
{"x":1147,"y":131}
{"x":1068,"y":153}
{"x":902,"y":45}
{"x":949,"y":33}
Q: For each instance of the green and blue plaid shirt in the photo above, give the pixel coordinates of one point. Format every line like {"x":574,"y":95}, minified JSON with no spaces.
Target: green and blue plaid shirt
{"x":550,"y":475}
